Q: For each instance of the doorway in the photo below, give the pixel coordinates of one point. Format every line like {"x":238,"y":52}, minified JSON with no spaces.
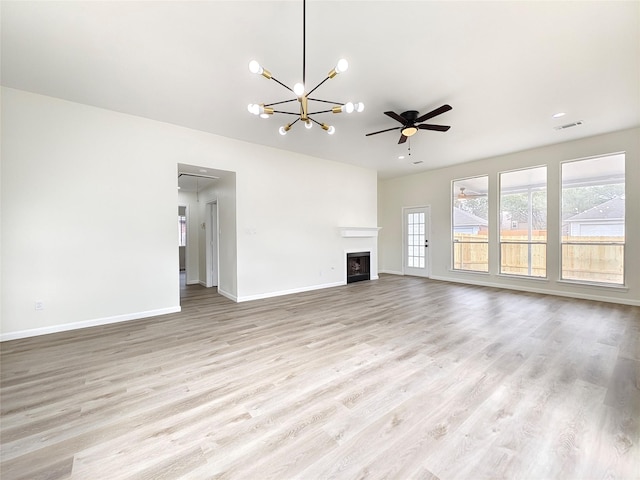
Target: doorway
{"x":415,"y":251}
{"x":212,"y":240}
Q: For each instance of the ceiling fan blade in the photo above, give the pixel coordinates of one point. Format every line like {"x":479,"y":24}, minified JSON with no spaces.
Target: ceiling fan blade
{"x":439,"y":128}
{"x":396,"y":117}
{"x":382,"y":131}
{"x":403,"y":139}
{"x":434,"y":113}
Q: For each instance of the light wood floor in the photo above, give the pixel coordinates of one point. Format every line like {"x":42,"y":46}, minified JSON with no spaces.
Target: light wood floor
{"x":398,"y":378}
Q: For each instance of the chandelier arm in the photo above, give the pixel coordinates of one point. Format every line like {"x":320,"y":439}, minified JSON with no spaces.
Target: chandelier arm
{"x":278,"y":103}
{"x":325,"y":101}
{"x":287,"y":113}
{"x":322,"y":111}
{"x":316,"y":87}
{"x":315,"y":121}
{"x":285,"y":86}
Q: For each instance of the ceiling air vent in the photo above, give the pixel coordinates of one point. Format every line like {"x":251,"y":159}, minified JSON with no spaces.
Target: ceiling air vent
{"x":569,"y":125}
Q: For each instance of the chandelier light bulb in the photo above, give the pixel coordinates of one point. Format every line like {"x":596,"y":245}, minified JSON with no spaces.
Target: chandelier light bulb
{"x":264,"y":115}
{"x":348,"y":107}
{"x":254,"y":108}
{"x":298,"y":89}
{"x":255,"y":67}
{"x":331,"y":130}
{"x":342,"y":66}
{"x":283,"y":130}
{"x":308,"y":124}
{"x":359,"y":107}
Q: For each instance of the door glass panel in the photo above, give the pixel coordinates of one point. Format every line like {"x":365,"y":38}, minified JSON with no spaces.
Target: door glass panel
{"x":415,"y":240}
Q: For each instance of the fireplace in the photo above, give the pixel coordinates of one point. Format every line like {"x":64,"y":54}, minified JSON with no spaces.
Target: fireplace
{"x":358,"y":266}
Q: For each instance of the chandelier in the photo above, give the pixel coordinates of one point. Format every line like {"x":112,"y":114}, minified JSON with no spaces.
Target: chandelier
{"x":302,"y":95}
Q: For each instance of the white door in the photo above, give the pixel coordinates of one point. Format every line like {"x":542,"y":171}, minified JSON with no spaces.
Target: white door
{"x":416,"y":241}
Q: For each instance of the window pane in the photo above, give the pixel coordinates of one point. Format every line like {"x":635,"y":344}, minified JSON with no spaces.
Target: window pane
{"x":593,"y":263}
{"x":470,"y":224}
{"x":470,"y":209}
{"x":593,"y":219}
{"x":523,"y":222}
{"x":182,"y":231}
{"x":515,"y":259}
{"x":472,"y":256}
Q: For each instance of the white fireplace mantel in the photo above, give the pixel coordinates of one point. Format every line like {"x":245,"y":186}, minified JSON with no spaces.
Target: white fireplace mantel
{"x":359,"y":231}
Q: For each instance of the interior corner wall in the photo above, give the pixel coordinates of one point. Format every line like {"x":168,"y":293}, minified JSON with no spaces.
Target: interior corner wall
{"x":434,"y":188}
{"x":89,"y":215}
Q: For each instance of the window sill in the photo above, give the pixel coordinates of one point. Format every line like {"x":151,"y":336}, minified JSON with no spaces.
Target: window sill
{"x":523,"y":277}
{"x":607,"y":286}
{"x":474,"y":272}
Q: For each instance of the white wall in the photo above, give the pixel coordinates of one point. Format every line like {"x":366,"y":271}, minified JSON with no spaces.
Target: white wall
{"x":434,"y":188}
{"x":89,"y":215}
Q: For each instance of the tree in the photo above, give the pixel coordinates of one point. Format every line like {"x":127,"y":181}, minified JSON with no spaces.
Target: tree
{"x":477,"y":206}
{"x":576,"y":200}
{"x":516,"y":206}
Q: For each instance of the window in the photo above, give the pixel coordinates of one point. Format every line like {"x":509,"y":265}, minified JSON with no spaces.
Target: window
{"x":593,"y":220}
{"x":470,"y":224}
{"x":182,"y":231}
{"x":523,"y":222}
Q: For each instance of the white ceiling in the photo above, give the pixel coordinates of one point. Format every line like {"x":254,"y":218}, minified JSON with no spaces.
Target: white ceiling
{"x":504,"y":67}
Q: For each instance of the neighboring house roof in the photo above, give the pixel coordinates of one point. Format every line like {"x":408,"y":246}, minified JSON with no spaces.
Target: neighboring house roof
{"x":463,"y":219}
{"x":610,"y":210}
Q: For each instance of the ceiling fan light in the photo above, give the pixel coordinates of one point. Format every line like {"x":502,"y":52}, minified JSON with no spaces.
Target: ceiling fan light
{"x":409,"y":131}
{"x":298,"y":89}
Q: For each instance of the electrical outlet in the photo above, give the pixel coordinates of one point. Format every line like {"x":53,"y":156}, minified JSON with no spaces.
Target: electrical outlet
{"x":39,"y":305}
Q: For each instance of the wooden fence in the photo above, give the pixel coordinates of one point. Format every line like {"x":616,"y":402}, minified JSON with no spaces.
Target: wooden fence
{"x":594,"y":259}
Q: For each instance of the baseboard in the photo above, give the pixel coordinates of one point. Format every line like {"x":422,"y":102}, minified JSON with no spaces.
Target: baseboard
{"x":543,"y":291}
{"x":289,"y":292}
{"x":228,"y":295}
{"x":33,"y":332}
{"x":193,"y":282}
{"x":391,"y":272}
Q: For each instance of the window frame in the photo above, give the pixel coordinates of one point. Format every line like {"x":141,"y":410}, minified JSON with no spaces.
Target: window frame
{"x":529,"y":242}
{"x":455,"y":242}
{"x":562,"y":242}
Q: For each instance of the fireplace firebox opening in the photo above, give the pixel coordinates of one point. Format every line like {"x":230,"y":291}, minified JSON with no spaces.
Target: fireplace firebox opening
{"x":358,"y":265}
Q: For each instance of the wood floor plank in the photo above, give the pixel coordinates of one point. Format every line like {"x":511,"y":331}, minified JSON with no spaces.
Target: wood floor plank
{"x":401,"y":377}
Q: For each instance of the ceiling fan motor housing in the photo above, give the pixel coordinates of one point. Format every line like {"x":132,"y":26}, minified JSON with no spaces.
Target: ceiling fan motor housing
{"x":410,"y":116}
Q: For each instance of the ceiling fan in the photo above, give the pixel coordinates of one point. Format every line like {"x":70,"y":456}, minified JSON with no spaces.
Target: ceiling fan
{"x":411,"y":122}
{"x":464,"y":196}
